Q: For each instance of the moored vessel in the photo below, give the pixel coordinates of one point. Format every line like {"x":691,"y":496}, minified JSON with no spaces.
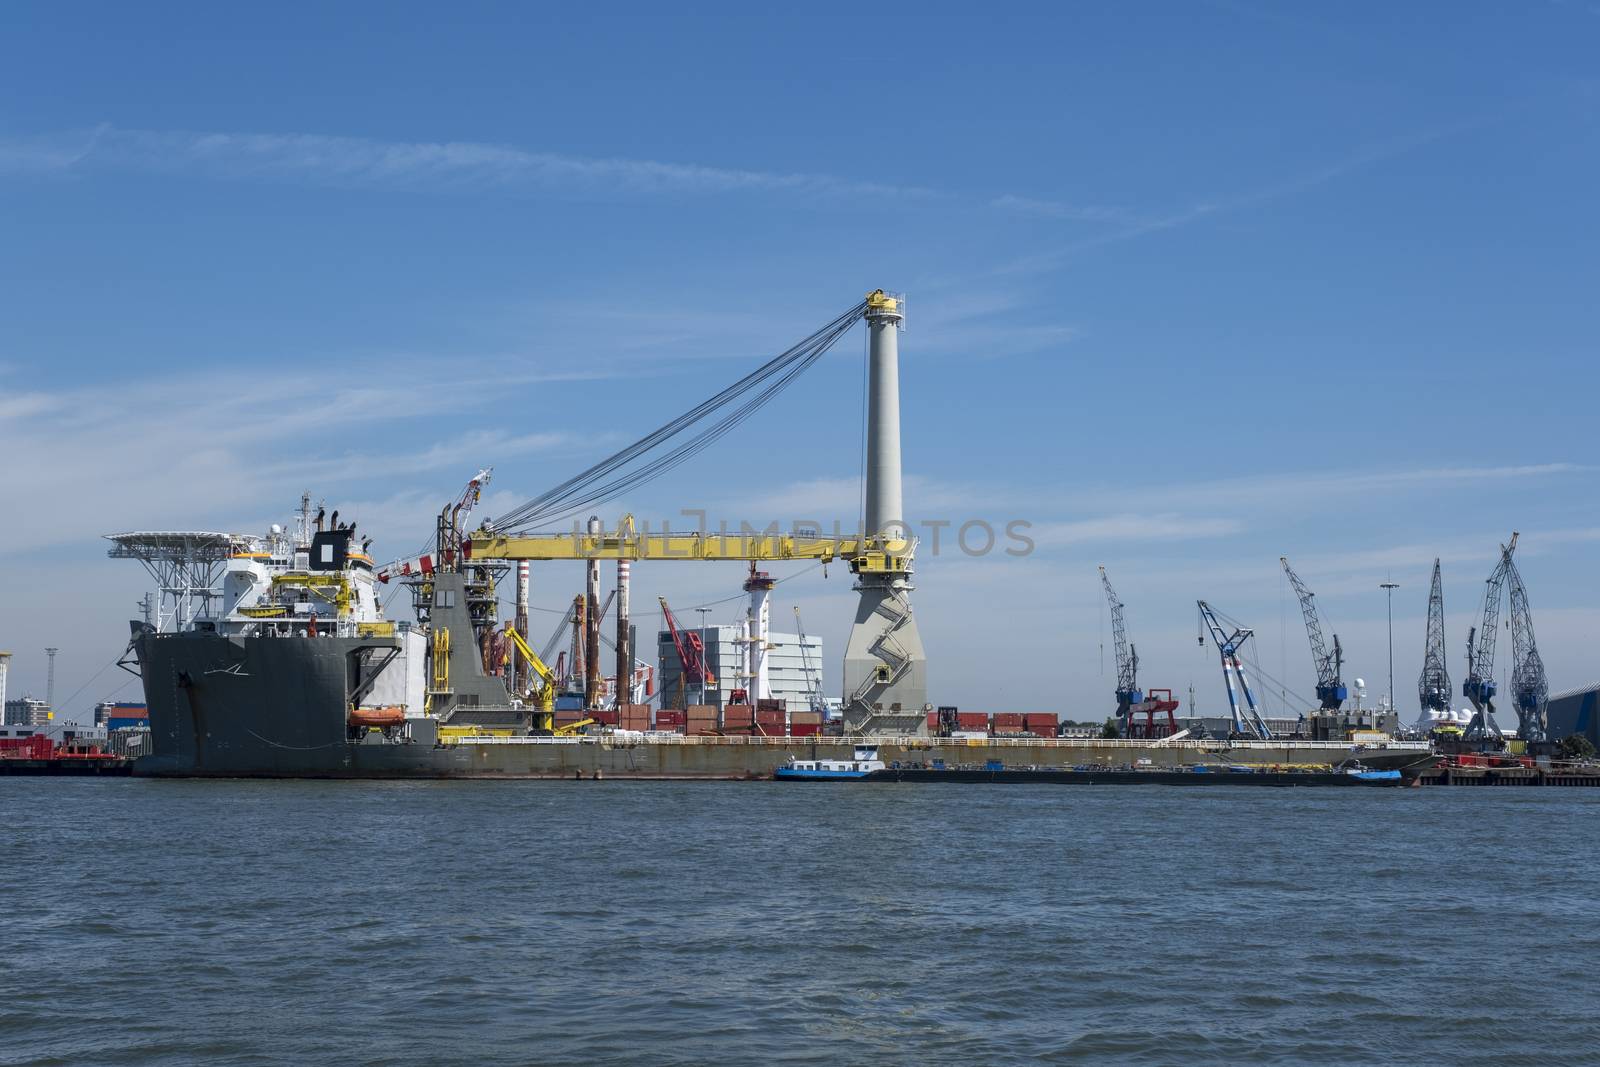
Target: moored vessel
{"x":863,"y":763}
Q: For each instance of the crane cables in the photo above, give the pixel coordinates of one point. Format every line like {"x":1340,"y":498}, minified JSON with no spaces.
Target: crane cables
{"x":634,"y":465}
{"x":1255,"y":667}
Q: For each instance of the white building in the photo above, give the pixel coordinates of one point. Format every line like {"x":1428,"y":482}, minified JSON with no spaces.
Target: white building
{"x":794,"y":672}
{"x":26,"y":711}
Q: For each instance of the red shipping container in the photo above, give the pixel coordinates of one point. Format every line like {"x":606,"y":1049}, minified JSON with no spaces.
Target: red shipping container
{"x":805,"y":729}
{"x":605,"y":718}
{"x":933,"y":720}
{"x":972,"y":720}
{"x":1008,"y":719}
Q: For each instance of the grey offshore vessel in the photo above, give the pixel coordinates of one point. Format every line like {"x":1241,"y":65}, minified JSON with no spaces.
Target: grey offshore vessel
{"x":276,"y":659}
{"x":305,"y":694}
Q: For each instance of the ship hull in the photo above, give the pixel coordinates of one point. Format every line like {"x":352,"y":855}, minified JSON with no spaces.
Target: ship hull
{"x":278,"y":708}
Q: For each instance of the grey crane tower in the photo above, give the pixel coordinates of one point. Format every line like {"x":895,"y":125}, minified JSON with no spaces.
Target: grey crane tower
{"x":885,"y":667}
{"x":1530,"y":692}
{"x":1433,"y":686}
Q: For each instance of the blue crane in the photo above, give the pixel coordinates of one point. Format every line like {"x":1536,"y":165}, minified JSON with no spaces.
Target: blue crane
{"x":1228,"y":647}
{"x":1128,"y":691}
{"x":1479,"y":686}
{"x":1331,"y":691}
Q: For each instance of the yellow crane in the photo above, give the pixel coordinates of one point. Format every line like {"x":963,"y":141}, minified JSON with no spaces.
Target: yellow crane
{"x":544,"y":693}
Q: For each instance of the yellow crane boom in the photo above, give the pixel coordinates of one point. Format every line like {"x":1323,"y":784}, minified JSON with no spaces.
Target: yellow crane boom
{"x":864,"y":554}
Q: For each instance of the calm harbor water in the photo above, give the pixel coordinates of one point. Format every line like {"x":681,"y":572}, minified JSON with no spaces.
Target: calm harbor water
{"x":688,"y":923}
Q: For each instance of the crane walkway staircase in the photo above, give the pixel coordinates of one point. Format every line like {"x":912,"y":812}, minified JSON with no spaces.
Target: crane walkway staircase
{"x":895,"y":659}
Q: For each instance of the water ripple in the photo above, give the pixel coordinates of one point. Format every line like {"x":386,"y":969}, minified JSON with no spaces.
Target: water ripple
{"x":243,"y":923}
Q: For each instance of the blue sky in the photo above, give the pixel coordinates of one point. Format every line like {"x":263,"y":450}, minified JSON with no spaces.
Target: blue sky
{"x":1191,"y":287}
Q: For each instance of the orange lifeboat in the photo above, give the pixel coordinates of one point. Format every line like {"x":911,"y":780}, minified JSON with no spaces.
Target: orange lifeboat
{"x":393,"y":715}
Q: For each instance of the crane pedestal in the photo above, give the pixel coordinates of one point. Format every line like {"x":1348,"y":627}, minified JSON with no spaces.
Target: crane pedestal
{"x":885,"y":667}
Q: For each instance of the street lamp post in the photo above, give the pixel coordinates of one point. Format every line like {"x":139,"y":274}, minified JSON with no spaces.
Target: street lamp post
{"x":1390,"y":587}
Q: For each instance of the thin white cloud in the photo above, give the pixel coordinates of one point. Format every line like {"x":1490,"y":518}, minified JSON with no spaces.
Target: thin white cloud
{"x":1355,"y":160}
{"x":363,"y":162}
{"x":1167,"y":526}
{"x":22,"y":405}
{"x":122,"y":456}
{"x":1277,"y":491}
{"x":1056,"y":209}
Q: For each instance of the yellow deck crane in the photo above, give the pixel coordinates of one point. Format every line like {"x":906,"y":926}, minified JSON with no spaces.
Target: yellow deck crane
{"x":544,"y":691}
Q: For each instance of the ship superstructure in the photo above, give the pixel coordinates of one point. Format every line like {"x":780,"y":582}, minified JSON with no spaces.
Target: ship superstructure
{"x":317,"y":581}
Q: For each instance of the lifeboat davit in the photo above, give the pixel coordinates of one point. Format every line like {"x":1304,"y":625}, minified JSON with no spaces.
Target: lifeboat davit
{"x":392,"y":715}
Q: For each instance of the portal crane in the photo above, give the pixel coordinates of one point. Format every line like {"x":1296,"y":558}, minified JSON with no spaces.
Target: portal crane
{"x":1530,"y":692}
{"x":1128,"y":692}
{"x":1433,"y":686}
{"x":1131,"y":700}
{"x":1331,"y":691}
{"x":1479,"y":687}
{"x":1228,"y":646}
{"x":691,"y":653}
